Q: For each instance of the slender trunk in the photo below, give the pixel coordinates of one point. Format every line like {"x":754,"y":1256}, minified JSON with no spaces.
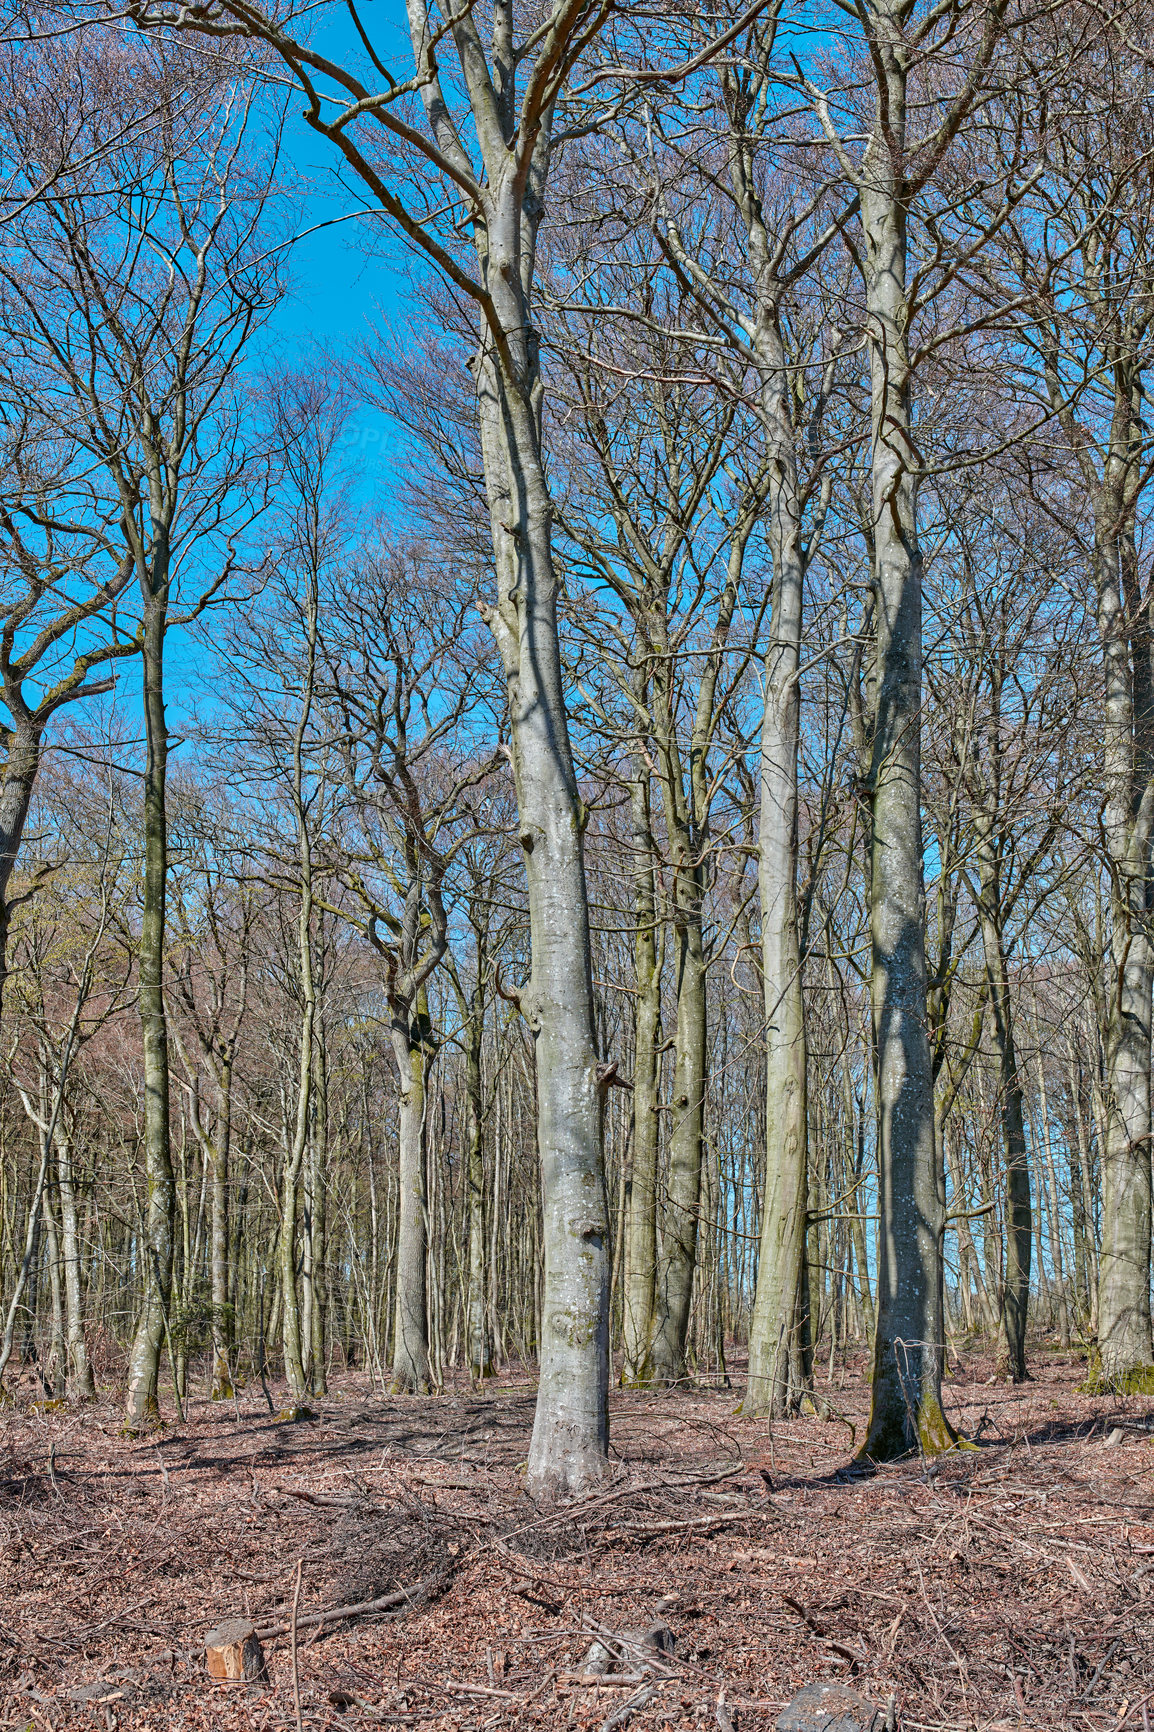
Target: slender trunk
{"x":1019,"y":1210}
{"x":1053,"y":1195}
{"x":640,"y":1229}
{"x":1083,"y":1189}
{"x":81,"y":1384}
{"x":677,"y":1257}
{"x":291,"y":1341}
{"x":222,"y":1312}
{"x":141,"y":1406}
{"x":53,"y":1371}
{"x":686,"y":801}
{"x":319,"y":1217}
{"x":477,"y":1348}
{"x":773,"y":1357}
{"x":410,"y":1337}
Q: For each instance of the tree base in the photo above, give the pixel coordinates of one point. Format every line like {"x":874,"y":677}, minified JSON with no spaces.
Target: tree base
{"x":409,"y":1386}
{"x":145,"y":1419}
{"x":1136,"y":1380}
{"x":889,"y":1437}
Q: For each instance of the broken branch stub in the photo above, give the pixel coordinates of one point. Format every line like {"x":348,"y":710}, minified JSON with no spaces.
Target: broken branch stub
{"x":233,"y":1653}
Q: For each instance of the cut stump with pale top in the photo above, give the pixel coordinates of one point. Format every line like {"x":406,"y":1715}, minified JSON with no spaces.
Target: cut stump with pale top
{"x":233,"y":1652}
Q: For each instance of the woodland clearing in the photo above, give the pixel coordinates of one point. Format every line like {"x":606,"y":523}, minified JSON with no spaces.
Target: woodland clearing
{"x":1003,"y":1587}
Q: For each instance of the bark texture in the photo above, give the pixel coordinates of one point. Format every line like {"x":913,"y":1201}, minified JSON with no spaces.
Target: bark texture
{"x":909,"y":1344}
{"x":640,"y":1226}
{"x":156,"y":1243}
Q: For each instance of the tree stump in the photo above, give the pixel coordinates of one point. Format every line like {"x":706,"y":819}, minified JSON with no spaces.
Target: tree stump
{"x":631,"y":1651}
{"x":829,"y":1707}
{"x":233,"y":1652}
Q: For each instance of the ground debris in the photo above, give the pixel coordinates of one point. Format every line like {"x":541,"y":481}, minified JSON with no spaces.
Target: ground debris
{"x":1009,"y":1585}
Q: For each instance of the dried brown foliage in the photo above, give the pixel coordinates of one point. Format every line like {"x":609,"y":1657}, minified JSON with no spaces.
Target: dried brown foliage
{"x":1004,"y":1587}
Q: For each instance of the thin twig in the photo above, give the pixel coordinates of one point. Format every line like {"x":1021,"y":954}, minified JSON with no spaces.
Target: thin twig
{"x":296,"y":1675}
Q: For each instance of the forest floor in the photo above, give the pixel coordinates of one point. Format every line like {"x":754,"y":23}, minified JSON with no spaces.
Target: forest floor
{"x":1010,"y":1586}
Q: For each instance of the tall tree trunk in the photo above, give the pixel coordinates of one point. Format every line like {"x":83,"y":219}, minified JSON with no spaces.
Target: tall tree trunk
{"x":20,"y":769}
{"x":477,"y":1349}
{"x":570,"y":1441}
{"x":141,"y":1407}
{"x":1124,"y":1331}
{"x":640,"y":1230}
{"x":296,"y":1144}
{"x":909,"y":1344}
{"x":1019,"y":1210}
{"x":81,"y":1384}
{"x":410,"y":1338}
{"x":53,"y":1371}
{"x":222,"y":1319}
{"x":318,"y":1153}
{"x":686,"y":799}
{"x":1082,"y":1190}
{"x":773,"y":1357}
{"x":677,"y":1256}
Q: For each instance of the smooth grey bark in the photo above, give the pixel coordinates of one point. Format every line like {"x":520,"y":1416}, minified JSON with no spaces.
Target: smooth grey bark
{"x":218,"y":1050}
{"x":640,"y":1212}
{"x":686,"y":801}
{"x":1124,"y":1327}
{"x":503,"y":193}
{"x":571,"y":1426}
{"x":984,"y":775}
{"x":477,"y":1347}
{"x":776,"y":1371}
{"x":1124,"y":1343}
{"x":141,"y":1406}
{"x":409,"y":1034}
{"x":772,"y":1337}
{"x":318,"y":1219}
{"x":677,"y":1252}
{"x":909,"y":1344}
{"x":81,"y":1382}
{"x":471,"y":1005}
{"x":293,"y":1344}
{"x":54,"y":1370}
{"x":758,"y":336}
{"x":1082,"y":1193}
{"x":1019,"y":1210}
